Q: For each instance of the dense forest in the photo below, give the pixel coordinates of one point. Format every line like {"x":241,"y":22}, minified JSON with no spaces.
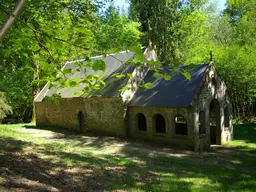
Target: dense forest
{"x":48,"y":33}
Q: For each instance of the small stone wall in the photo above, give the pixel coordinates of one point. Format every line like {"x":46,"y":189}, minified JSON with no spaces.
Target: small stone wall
{"x":104,"y":115}
{"x":170,"y":137}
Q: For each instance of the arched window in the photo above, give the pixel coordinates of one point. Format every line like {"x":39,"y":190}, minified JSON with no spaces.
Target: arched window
{"x":159,"y":123}
{"x":202,"y":123}
{"x":226,"y":117}
{"x":142,"y":122}
{"x":181,"y":127}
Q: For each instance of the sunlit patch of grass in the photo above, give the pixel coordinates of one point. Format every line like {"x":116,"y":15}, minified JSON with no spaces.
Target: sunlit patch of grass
{"x":121,"y":161}
{"x":244,"y":137}
{"x":242,"y":146}
{"x":10,"y":131}
{"x":236,"y":161}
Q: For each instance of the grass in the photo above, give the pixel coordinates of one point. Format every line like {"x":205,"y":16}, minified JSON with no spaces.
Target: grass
{"x":39,"y":160}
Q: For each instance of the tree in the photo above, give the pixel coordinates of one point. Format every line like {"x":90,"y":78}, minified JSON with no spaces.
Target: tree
{"x":116,"y":32}
{"x":161,"y":26}
{"x":5,"y":109}
{"x":196,"y":42}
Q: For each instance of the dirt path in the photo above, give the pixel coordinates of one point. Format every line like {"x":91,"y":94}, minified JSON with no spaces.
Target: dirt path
{"x":105,"y":141}
{"x":110,"y":144}
{"x":47,"y":134}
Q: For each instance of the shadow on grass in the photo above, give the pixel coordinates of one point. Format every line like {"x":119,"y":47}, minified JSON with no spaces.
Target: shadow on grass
{"x":137,"y":166}
{"x":27,"y":171}
{"x":30,"y":126}
{"x":23,"y":168}
{"x":213,"y":172}
{"x":11,"y":145}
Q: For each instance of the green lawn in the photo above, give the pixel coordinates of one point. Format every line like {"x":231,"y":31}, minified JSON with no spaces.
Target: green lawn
{"x":39,"y":160}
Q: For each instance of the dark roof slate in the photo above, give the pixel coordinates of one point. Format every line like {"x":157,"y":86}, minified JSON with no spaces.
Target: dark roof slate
{"x":113,"y":64}
{"x":177,"y":92}
{"x":113,"y":84}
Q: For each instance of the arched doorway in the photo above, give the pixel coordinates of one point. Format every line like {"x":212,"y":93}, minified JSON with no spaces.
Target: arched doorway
{"x":215,"y":128}
{"x":81,"y":121}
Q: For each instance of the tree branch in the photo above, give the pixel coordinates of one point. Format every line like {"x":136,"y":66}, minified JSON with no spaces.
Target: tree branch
{"x":50,"y":36}
{"x":12,"y":17}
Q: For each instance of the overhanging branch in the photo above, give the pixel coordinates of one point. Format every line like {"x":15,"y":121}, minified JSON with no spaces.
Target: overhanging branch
{"x":17,"y":11}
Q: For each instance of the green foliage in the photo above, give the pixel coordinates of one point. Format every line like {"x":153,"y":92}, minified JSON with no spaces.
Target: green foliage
{"x":99,"y":65}
{"x":232,"y":39}
{"x":148,"y":85}
{"x":196,"y":42}
{"x":116,"y":32}
{"x":139,"y":58}
{"x":5,"y":109}
{"x":237,"y":67}
{"x":18,"y":87}
{"x":186,"y":74}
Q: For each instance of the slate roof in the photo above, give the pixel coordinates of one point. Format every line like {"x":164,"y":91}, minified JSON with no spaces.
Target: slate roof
{"x":112,"y":64}
{"x":113,"y":84}
{"x":177,"y":92}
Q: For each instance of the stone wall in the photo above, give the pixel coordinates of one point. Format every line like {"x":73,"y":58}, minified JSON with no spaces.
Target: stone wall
{"x":104,"y":115}
{"x":212,"y":88}
{"x":170,"y":137}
